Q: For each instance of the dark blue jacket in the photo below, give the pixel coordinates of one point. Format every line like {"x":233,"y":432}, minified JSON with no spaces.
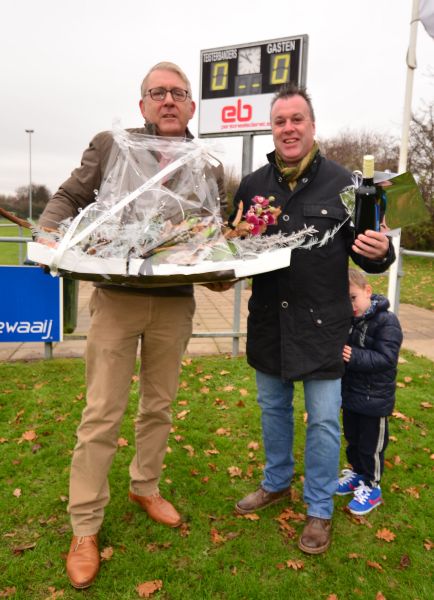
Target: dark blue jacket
{"x":369,"y":383}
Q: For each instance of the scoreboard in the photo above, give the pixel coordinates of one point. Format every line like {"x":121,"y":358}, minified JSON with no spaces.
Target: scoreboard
{"x":237,"y":83}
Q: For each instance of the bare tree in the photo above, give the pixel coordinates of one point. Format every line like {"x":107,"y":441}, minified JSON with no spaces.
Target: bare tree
{"x":348,"y":148}
{"x":421,"y":154}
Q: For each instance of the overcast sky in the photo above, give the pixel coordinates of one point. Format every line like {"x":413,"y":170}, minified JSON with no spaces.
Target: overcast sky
{"x":69,"y":67}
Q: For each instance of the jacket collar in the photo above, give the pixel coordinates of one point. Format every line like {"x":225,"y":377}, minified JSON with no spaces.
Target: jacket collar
{"x":151,"y":129}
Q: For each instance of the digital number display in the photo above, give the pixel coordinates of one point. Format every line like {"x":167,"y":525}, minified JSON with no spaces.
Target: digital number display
{"x":280,"y":68}
{"x":219,"y":76}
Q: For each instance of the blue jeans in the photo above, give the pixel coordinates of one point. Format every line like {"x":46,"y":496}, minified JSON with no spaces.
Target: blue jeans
{"x":321,"y":457}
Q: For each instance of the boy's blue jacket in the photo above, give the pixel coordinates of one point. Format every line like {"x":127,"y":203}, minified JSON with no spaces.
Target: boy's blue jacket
{"x":369,"y":383}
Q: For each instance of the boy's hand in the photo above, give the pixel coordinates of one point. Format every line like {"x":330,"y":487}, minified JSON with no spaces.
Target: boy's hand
{"x":346,"y":353}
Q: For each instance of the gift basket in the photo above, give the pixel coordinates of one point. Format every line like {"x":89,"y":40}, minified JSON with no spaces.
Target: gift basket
{"x":156,"y":221}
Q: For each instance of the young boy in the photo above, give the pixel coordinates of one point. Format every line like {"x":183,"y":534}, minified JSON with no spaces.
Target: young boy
{"x":368,"y":393}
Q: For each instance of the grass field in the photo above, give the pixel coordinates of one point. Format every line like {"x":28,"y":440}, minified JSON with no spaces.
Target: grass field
{"x":215,"y":458}
{"x":10,"y":251}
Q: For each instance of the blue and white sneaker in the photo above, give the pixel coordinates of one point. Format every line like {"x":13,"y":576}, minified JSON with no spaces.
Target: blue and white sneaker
{"x":348,"y":482}
{"x":365,"y":499}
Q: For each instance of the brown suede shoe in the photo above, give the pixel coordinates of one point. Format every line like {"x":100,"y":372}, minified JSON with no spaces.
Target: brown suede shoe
{"x":82,"y":562}
{"x":158,"y":509}
{"x":316,"y":536}
{"x":260,"y":499}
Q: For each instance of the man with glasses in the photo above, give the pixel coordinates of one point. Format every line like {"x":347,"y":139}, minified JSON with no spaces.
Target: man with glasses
{"x":299,"y":317}
{"x":160,"y":317}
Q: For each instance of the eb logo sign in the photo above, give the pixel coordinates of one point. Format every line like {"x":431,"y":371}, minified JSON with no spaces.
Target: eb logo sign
{"x":239,"y":112}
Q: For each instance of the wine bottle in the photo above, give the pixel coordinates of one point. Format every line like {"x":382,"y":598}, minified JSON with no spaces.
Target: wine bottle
{"x":367,"y":199}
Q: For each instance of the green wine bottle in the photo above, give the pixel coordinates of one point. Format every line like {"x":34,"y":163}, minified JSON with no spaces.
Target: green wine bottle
{"x":367,"y":199}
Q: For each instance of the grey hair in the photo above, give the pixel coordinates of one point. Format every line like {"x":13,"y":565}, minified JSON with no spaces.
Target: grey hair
{"x":165,"y":66}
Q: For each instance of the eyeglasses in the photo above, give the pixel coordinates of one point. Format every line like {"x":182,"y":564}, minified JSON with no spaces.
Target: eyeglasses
{"x":159,"y":94}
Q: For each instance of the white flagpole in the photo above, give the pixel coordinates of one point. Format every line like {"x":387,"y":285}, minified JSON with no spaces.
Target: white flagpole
{"x":411,"y":66}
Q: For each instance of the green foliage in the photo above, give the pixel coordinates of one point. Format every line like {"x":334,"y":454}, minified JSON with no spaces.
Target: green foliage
{"x":250,"y":561}
{"x":419,"y":237}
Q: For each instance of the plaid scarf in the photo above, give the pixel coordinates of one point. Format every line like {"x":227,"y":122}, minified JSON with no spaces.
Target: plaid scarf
{"x":292,"y":174}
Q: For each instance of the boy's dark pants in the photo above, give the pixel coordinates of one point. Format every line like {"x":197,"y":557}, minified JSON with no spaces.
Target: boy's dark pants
{"x":367,"y":439}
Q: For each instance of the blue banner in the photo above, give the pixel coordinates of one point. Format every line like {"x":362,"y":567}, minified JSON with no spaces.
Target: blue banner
{"x":31,"y":307}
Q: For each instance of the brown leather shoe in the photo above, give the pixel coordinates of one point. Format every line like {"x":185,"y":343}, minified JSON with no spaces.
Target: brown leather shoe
{"x":82,"y":562}
{"x":316,"y":536}
{"x":158,"y":509}
{"x":260,"y":499}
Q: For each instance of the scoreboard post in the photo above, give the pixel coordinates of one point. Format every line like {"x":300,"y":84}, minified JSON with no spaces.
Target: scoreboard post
{"x":237,"y":84}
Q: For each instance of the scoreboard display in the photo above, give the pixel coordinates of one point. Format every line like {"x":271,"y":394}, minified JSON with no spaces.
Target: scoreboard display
{"x":238,"y":83}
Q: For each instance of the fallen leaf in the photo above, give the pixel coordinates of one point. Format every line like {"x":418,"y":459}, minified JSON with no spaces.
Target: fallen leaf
{"x":179,"y":438}
{"x":354,"y":555}
{"x":181,"y":415}
{"x":332,"y":597}
{"x":228,"y":388}
{"x":211,"y":451}
{"x":399,"y":415}
{"x":204,"y":390}
{"x":280,"y":566}
{"x":3,"y":441}
{"x":146,"y":589}
{"x":404,"y":561}
{"x":295,"y":564}
{"x":289,"y":514}
{"x":216,"y":537}
{"x":23,"y":548}
{"x":243,"y":392}
{"x":253,"y":445}
{"x":184,"y":530}
{"x":223,"y":431}
{"x":380,"y":596}
{"x":107,"y":553}
{"x":385,"y":534}
{"x":235,"y":471}
{"x":289,"y":531}
{"x":426,"y":405}
{"x":29,"y":436}
{"x":408,"y":379}
{"x":54,"y":593}
{"x":122,"y":442}
{"x":428,"y":544}
{"x":8,"y":592}
{"x":251,"y":517}
{"x":374,"y":565}
{"x":183,"y":403}
{"x":412,"y":491}
{"x":16,"y":493}
{"x":154,"y":547}
{"x":190,"y":449}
